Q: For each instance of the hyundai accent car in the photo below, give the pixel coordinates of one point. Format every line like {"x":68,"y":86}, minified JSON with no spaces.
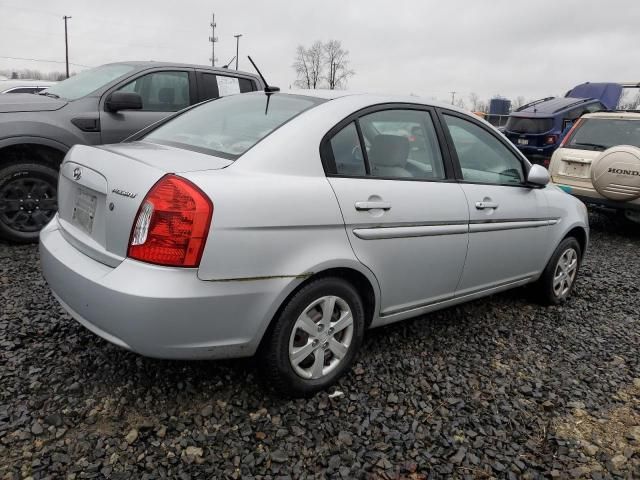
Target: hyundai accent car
{"x":599,"y":162}
{"x":286,"y":224}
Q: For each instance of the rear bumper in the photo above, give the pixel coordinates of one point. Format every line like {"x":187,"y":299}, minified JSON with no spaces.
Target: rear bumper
{"x":156,"y":311}
{"x":590,"y":197}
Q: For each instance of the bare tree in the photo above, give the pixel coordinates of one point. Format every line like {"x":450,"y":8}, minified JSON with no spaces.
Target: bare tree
{"x":629,"y":100}
{"x":302,"y":68}
{"x":31,"y":74}
{"x":337,"y":61}
{"x":518,"y":102}
{"x":474,"y":99}
{"x":309,"y":65}
{"x":460,"y":103}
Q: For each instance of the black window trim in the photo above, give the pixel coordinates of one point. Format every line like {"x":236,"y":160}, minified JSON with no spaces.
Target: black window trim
{"x":200,"y":84}
{"x":526,"y":166}
{"x":328,"y":161}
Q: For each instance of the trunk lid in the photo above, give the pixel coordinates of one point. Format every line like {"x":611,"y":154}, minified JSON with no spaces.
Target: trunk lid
{"x":101,"y":189}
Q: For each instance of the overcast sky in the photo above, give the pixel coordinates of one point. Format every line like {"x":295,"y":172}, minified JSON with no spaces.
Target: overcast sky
{"x":427,"y":47}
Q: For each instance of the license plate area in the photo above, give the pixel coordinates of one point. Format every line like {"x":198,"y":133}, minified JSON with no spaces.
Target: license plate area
{"x":84,"y":210}
{"x":575,"y":169}
{"x":523,"y":141}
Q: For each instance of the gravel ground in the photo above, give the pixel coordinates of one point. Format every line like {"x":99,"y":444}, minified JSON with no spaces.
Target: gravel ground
{"x":499,"y":388}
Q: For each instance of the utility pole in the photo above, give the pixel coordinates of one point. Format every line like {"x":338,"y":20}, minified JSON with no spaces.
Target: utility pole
{"x":237,"y":48}
{"x":213,"y":39}
{"x":453,"y":97}
{"x":66,"y":43}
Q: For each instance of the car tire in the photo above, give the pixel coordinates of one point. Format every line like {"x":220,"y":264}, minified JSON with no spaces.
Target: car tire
{"x":629,"y":218}
{"x":28,"y":200}
{"x":303,"y":327}
{"x":559,"y":276}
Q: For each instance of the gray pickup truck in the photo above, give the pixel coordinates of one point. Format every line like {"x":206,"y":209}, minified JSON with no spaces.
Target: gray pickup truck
{"x":103,"y":105}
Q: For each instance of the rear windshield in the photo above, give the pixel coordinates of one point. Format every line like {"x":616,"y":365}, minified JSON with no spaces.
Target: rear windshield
{"x":529,"y":125}
{"x":229,"y":126}
{"x":603,"y":133}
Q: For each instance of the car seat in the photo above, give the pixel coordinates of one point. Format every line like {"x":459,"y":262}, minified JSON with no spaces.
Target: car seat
{"x":388,"y":156}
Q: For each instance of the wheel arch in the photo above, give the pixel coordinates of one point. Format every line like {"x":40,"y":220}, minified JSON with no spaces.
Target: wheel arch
{"x":580,"y":234}
{"x":49,"y":152}
{"x":363,"y":281}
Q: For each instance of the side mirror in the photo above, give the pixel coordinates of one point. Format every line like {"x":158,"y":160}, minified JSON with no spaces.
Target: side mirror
{"x":123,"y":101}
{"x":538,"y":176}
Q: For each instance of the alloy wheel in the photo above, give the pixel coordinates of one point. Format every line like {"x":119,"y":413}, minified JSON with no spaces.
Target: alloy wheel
{"x":321,"y":337}
{"x":565,"y":272}
{"x":27,"y":204}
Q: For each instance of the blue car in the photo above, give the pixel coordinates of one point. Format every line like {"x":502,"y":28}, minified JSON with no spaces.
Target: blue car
{"x":537,"y":128}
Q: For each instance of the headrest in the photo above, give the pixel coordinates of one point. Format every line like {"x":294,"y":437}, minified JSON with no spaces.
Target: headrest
{"x":389,"y":150}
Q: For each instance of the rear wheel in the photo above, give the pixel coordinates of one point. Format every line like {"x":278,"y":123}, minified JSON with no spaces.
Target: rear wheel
{"x":315,"y":338}
{"x":558,"y":279}
{"x":630,"y":217}
{"x":28,"y":200}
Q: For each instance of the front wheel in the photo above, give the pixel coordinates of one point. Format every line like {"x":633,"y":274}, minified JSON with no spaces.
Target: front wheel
{"x":28,"y":200}
{"x":315,"y":338}
{"x":558,"y":279}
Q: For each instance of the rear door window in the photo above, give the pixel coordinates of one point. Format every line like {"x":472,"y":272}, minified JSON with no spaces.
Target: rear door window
{"x":402,"y":144}
{"x":214,"y":86}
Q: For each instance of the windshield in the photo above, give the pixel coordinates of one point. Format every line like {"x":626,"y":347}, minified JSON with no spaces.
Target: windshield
{"x":230,"y":126}
{"x":603,"y":133}
{"x":88,"y":81}
{"x":529,"y":125}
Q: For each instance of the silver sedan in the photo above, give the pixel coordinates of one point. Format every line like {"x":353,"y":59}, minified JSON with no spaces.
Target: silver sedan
{"x":286,"y":224}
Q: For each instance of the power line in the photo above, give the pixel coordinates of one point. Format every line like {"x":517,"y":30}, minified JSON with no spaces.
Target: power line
{"x":46,"y":61}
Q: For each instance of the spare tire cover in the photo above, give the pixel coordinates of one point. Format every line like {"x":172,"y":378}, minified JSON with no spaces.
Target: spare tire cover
{"x":615,"y":174}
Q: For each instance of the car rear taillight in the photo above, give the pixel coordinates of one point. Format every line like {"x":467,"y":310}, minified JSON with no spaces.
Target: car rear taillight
{"x":550,"y":139}
{"x":570,"y":132}
{"x":172,"y":224}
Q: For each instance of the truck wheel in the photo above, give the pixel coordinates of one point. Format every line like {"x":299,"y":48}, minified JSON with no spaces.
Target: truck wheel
{"x":28,"y":200}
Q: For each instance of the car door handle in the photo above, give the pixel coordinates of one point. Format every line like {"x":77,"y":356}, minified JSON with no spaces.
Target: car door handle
{"x":373,"y":206}
{"x":483,"y":205}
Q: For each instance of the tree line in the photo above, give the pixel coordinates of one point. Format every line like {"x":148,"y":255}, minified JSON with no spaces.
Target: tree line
{"x":32,"y":74}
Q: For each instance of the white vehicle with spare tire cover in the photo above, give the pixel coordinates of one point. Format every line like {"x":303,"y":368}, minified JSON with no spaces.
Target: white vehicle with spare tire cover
{"x":599,"y":162}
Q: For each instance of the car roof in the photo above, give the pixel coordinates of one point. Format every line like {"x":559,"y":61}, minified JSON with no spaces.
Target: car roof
{"x":552,"y":106}
{"x":373,"y":98}
{"x":619,"y":114}
{"x":154,"y":64}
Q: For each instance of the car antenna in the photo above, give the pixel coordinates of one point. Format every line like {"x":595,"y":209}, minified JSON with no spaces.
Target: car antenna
{"x":267,"y":88}
{"x":229,"y":62}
